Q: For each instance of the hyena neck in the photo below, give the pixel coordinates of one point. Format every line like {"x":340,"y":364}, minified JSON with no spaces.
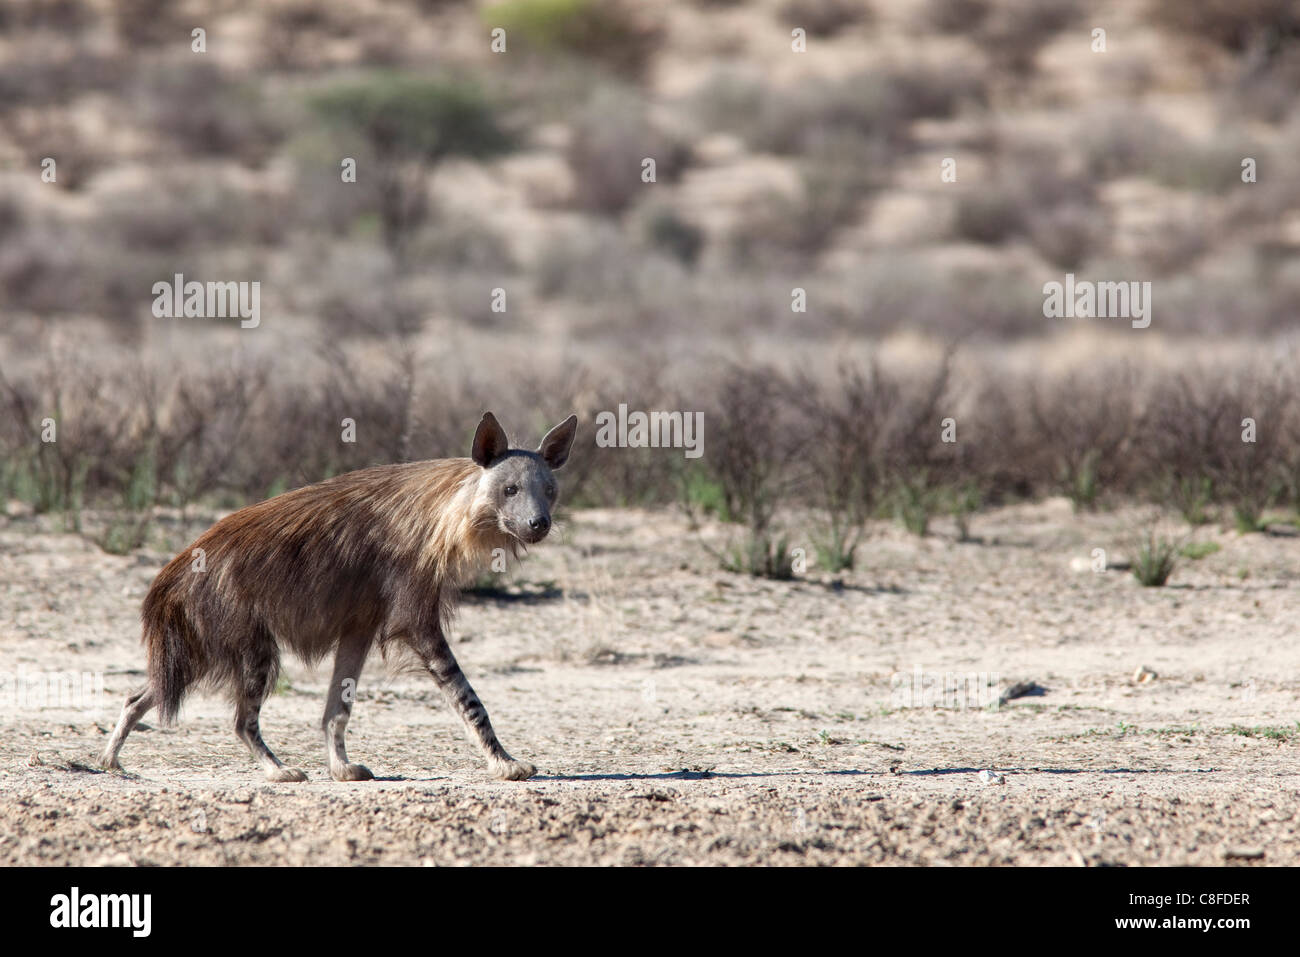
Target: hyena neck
{"x":460,"y":534}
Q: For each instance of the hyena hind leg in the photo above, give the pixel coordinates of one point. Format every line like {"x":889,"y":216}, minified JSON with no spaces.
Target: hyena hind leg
{"x":135,"y":708}
{"x":248,"y":710}
{"x":348,"y":661}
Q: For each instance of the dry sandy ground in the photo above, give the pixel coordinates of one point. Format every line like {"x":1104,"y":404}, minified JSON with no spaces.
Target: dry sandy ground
{"x":683,"y":715}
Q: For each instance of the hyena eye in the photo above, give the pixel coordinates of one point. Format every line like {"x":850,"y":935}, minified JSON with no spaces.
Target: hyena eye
{"x":512,"y":489}
{"x":550,"y":491}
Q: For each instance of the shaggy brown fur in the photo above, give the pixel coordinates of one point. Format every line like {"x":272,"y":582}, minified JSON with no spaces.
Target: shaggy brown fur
{"x":372,"y":557}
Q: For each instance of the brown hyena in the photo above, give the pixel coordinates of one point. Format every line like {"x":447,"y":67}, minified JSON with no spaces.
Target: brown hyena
{"x":368,"y":558}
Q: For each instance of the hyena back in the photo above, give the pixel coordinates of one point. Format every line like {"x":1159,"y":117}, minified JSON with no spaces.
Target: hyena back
{"x":368,"y":558}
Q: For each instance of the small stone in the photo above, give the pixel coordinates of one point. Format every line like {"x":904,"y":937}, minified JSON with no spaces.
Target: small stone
{"x":1144,"y":675}
{"x":1021,"y":689}
{"x":1243,"y":854}
{"x":991,"y":777}
{"x":120,"y":859}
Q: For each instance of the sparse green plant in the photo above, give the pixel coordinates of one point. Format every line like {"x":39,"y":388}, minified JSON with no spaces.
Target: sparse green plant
{"x":1155,"y":559}
{"x":837,"y":549}
{"x":963,"y":502}
{"x":667,"y":230}
{"x":1080,"y":479}
{"x":1248,"y":516}
{"x":1195,"y":551}
{"x":1193,"y":496}
{"x":760,"y":556}
{"x":1278,"y":733}
{"x":129,"y":527}
{"x":701,"y":494}
{"x":623,"y":36}
{"x":915,"y":502}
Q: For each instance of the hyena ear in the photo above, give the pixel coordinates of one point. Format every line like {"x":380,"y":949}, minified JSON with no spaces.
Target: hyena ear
{"x":490,"y":442}
{"x":554,"y":449}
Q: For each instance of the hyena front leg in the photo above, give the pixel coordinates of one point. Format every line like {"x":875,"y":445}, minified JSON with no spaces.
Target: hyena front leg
{"x":456,"y":689}
{"x":348,"y":661}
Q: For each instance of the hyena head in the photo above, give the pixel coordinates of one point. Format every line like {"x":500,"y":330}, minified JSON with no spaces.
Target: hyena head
{"x":519,"y":486}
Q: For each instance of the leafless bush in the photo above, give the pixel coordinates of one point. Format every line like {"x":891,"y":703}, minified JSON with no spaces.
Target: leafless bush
{"x":63,"y":16}
{"x":597,"y":264}
{"x":1016,"y":30}
{"x":873,"y":106}
{"x":1238,"y":25}
{"x":1029,"y":198}
{"x":42,"y":268}
{"x":790,"y":231}
{"x":756,"y":442}
{"x":50,"y":133}
{"x":151,"y":23}
{"x":1084,"y":426}
{"x":48,"y":75}
{"x":1131,"y":142}
{"x":852,"y":448}
{"x":870,"y":435}
{"x":204,"y":110}
{"x":186,"y":209}
{"x":955,"y":16}
{"x":356,"y":289}
{"x":825,"y":18}
{"x":293,"y":33}
{"x":612,"y":136}
{"x":1251,"y":472}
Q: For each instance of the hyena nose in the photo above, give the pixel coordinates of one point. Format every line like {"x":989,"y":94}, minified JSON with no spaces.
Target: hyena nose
{"x":539,"y":524}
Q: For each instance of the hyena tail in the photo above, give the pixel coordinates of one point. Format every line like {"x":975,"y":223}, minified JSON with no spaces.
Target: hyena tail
{"x":176,"y":659}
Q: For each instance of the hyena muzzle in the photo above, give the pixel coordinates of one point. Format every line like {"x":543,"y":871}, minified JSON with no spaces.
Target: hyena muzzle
{"x":374,"y":557}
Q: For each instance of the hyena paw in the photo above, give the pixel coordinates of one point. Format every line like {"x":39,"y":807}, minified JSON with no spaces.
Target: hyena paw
{"x":110,"y":763}
{"x":351,"y":772}
{"x":512,"y":770}
{"x":285,"y":775}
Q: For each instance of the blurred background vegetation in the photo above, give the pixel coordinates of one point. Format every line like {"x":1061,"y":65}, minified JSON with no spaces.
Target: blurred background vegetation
{"x":521,"y":171}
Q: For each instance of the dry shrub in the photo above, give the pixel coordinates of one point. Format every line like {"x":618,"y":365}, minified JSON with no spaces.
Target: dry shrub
{"x":955,"y":16}
{"x":142,"y":23}
{"x":61,"y":16}
{"x":619,"y":34}
{"x":851,"y":447}
{"x":48,"y":74}
{"x":294,"y":32}
{"x":874,"y":106}
{"x":1084,"y":426}
{"x":611,"y":137}
{"x":825,"y":18}
{"x":1237,"y":25}
{"x":202,"y":110}
{"x":1016,"y":30}
{"x":1029,"y":198}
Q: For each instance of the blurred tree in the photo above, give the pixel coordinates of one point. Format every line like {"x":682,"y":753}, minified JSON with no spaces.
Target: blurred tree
{"x":410,"y":124}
